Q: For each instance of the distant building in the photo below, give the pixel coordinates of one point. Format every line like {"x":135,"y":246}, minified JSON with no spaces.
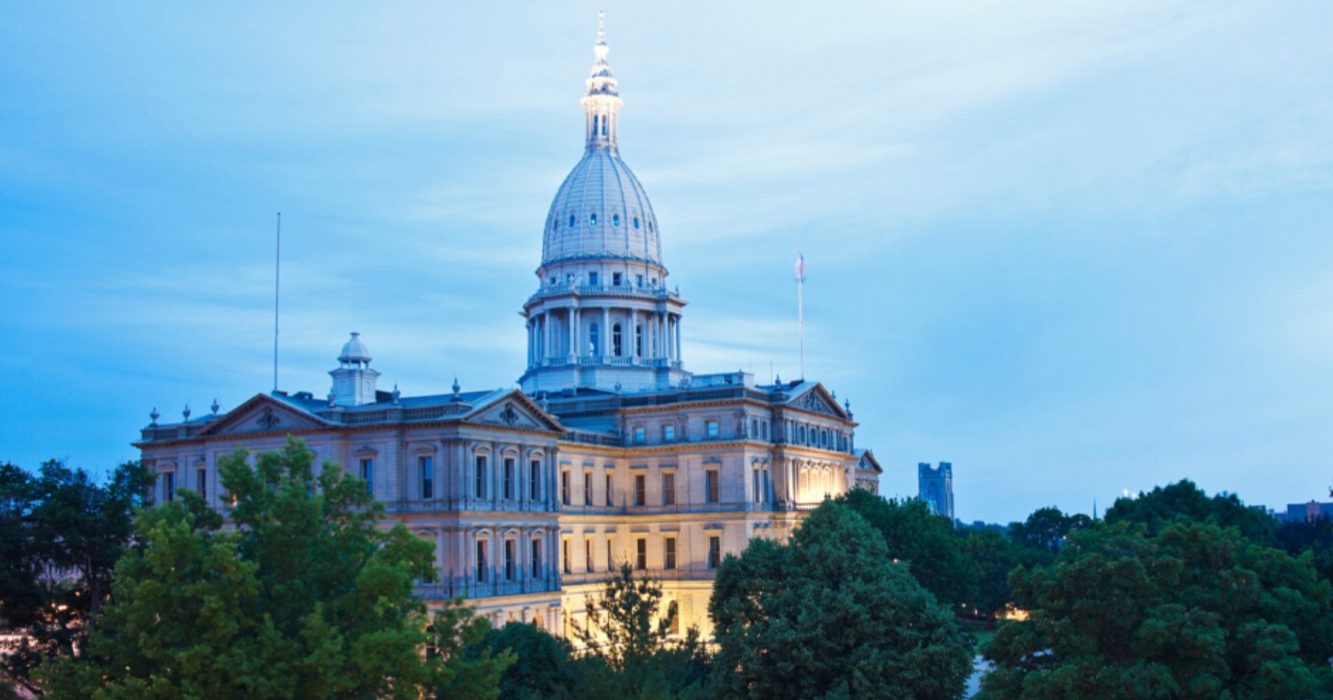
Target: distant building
{"x":1306,"y":512}
{"x":935,"y":487}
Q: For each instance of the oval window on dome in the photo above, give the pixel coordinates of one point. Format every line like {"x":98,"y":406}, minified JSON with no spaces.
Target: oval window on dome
{"x":650,"y":227}
{"x":592,"y":219}
{"x":636,"y":222}
{"x":615,"y":219}
{"x":571,"y":221}
{"x":555,"y":223}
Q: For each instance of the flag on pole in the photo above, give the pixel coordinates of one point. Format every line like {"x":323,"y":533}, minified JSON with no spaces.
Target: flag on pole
{"x":800,"y":267}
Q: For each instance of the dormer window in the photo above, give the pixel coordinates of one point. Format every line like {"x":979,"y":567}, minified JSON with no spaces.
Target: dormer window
{"x":592,"y":219}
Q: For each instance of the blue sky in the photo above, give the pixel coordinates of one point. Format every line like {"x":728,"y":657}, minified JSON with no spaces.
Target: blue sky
{"x":1074,"y":248}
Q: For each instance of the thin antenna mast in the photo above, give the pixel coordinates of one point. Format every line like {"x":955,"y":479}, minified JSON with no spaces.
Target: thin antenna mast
{"x":800,"y":306}
{"x":277,"y":280}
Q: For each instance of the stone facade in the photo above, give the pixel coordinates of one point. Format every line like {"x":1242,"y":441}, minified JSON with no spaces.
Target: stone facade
{"x":609,"y":452}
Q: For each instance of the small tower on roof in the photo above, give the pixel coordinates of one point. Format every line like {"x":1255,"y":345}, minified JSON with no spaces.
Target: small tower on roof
{"x":354,"y":380}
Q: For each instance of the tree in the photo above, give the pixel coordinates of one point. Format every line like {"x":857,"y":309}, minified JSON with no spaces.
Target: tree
{"x":991,"y":557}
{"x":1164,"y":505}
{"x":305,"y":597}
{"x":1047,"y":529}
{"x":546,"y":667}
{"x":926,"y":543}
{"x":1314,"y":536}
{"x":1195,"y":611}
{"x":60,"y":536}
{"x":829,"y":615}
{"x":629,"y":629}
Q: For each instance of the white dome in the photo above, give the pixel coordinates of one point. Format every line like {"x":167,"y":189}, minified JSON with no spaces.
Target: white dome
{"x":354,"y":350}
{"x":601,"y":211}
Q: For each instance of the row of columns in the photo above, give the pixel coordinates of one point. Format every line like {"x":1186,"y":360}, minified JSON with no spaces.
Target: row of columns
{"x":661,"y":338}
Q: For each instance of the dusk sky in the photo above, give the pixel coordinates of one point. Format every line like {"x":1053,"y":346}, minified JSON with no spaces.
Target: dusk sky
{"x":1072,"y":247}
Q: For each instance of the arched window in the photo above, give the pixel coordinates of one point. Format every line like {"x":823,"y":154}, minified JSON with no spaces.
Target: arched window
{"x":617,"y":345}
{"x":594,"y":339}
{"x":636,"y":222}
{"x":594,"y":124}
{"x":592,"y":219}
{"x":571,"y":221}
{"x":615,"y":219}
{"x":638,"y":339}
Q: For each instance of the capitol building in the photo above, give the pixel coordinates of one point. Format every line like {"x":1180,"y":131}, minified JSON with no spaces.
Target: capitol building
{"x":608,"y":451}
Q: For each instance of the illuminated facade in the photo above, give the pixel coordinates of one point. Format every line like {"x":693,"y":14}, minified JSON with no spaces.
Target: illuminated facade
{"x":610,"y":451}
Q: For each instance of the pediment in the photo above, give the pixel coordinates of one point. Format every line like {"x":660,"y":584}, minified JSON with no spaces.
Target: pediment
{"x":514,"y":410}
{"x":264,"y":415}
{"x":818,"y":400}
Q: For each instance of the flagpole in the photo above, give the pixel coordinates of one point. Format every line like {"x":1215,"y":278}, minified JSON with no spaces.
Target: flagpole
{"x":277,"y":278}
{"x":800,"y":306}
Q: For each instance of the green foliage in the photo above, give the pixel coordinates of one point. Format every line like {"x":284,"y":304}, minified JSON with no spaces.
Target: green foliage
{"x":831,"y":616}
{"x":1047,"y":529}
{"x":546,"y":667}
{"x":1193,"y":611}
{"x":60,"y":536}
{"x":630,"y":631}
{"x":926,"y":543}
{"x":304,"y":598}
{"x":1164,"y":505}
{"x":1315,"y":536}
{"x":991,"y":557}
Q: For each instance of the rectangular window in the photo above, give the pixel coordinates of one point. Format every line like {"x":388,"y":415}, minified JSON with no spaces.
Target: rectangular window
{"x":168,"y":486}
{"x":669,"y":556}
{"x":710,"y":486}
{"x":587,"y":488}
{"x":758,"y":487}
{"x":537,"y":559}
{"x":510,"y":563}
{"x":639,"y":279}
{"x":641,"y":553}
{"x":535,"y":480}
{"x":714,"y":551}
{"x":368,"y":474}
{"x":202,"y":475}
{"x":592,"y":279}
{"x":669,"y":432}
{"x":639,"y":436}
{"x":610,"y":489}
{"x":481,"y":561}
{"x":427,"y":467}
{"x":669,"y":489}
{"x":675,"y":619}
{"x":711,"y":428}
{"x":481,"y":476}
{"x":509,"y":478}
{"x":564,"y":487}
{"x":640,"y":490}
{"x":616,"y":279}
{"x":587,"y":555}
{"x":566,"y":565}
{"x":610,"y":561}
